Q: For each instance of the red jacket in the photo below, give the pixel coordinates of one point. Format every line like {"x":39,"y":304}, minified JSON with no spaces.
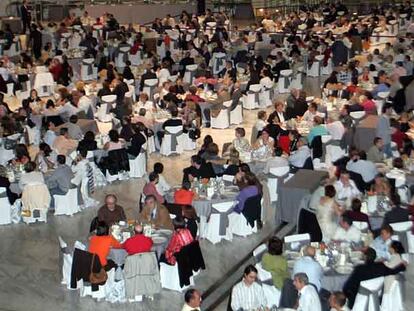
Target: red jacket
{"x":139,"y":243}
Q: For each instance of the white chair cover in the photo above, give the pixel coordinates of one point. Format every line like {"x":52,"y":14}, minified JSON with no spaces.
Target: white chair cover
{"x":315,"y":69}
{"x":67,"y":204}
{"x":173,"y":139}
{"x":218,"y":62}
{"x":222,"y":120}
{"x":170,"y":278}
{"x":284,"y":81}
{"x":189,"y":73}
{"x":368,"y":295}
{"x":296,"y":241}
{"x":393,"y":301}
{"x":138,"y":166}
{"x":5,"y":208}
{"x":211,"y":230}
{"x":88,"y":70}
{"x":149,"y":87}
{"x":238,"y":225}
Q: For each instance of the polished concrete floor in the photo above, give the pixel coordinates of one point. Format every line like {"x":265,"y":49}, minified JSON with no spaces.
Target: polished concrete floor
{"x":30,"y":274}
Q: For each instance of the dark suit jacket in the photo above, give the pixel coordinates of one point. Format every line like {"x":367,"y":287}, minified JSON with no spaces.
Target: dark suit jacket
{"x":205,"y":171}
{"x":4,"y":183}
{"x":25,"y":14}
{"x":396,"y":214}
{"x":365,"y":272}
{"x":235,"y":97}
{"x":137,"y":141}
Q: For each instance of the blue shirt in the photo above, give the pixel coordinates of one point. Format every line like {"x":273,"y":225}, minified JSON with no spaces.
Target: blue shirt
{"x":380,"y":88}
{"x":317,"y":131}
{"x":312,"y":268}
{"x":382,"y":248}
{"x":245,"y":193}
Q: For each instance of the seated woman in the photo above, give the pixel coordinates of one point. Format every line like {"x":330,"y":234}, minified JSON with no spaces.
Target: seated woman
{"x":206,"y":141}
{"x":211,"y":155}
{"x":185,"y":195}
{"x":249,"y":187}
{"x":138,"y":139}
{"x":275,"y":263}
{"x":43,"y":158}
{"x":151,"y":189}
{"x":327,"y":213}
{"x":101,"y":244}
{"x":396,"y":249}
{"x":318,"y":129}
{"x":263,"y":148}
{"x":88,"y":142}
{"x":311,"y":113}
{"x":180,"y":238}
{"x":240,"y":143}
{"x":35,"y":194}
{"x":114,"y":142}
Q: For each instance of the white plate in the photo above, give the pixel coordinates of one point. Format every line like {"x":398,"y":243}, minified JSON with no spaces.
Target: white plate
{"x":344,"y":269}
{"x":158,"y":239}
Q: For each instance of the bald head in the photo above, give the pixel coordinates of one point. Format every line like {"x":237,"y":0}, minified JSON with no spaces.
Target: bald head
{"x":310,"y":251}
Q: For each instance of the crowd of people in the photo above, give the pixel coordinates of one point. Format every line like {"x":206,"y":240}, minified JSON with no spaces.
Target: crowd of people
{"x":54,"y":153}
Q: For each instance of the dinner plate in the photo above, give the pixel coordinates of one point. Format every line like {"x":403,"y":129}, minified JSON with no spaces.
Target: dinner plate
{"x":292,"y":254}
{"x":158,"y":239}
{"x":344,"y":269}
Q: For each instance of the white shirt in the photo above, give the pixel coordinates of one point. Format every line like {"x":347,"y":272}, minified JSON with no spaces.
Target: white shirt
{"x":163,"y":75}
{"x":309,"y":299}
{"x":366,"y":169}
{"x":308,"y":116}
{"x":281,"y":117}
{"x":351,"y":235}
{"x":299,"y":157}
{"x":247,"y":297}
{"x":336,"y":129}
{"x":348,"y":192}
{"x":266,"y":82}
{"x":4,"y":72}
{"x":186,"y":307}
{"x":311,"y":267}
{"x":49,"y":137}
{"x":66,"y":111}
{"x":162,"y":187}
{"x":260,"y":125}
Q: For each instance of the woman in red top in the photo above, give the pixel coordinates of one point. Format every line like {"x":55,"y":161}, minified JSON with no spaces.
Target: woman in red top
{"x":101,"y":244}
{"x":55,"y":69}
{"x":180,"y":238}
{"x":368,"y":103}
{"x":185,"y":195}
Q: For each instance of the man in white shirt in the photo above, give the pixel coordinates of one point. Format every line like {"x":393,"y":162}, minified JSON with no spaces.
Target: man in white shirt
{"x":299,"y":157}
{"x":360,"y":165}
{"x":309,"y":266}
{"x":192,"y":299}
{"x":345,"y":187}
{"x":50,"y":135}
{"x":247,"y":294}
{"x":308,"y":296}
{"x":346,"y":231}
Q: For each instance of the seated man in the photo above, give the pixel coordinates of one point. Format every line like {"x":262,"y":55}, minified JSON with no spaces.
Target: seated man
{"x":63,"y":144}
{"x":382,"y":243}
{"x":309,"y":266}
{"x":369,"y":270}
{"x":337,"y":302}
{"x":215,"y":106}
{"x":60,"y":180}
{"x":308,"y":296}
{"x":198,"y":169}
{"x":346,"y":231}
{"x":111,"y":213}
{"x":192,"y":299}
{"x":155,"y":213}
{"x":360,"y":165}
{"x":355,"y":213}
{"x":74,"y":130}
{"x":397,"y":213}
{"x":298,"y":158}
{"x":248,"y":294}
{"x":376,"y":151}
{"x":138,"y":243}
{"x":151,"y":189}
{"x":345,"y":187}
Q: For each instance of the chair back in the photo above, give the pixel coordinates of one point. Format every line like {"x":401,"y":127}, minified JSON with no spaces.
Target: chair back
{"x":360,"y":225}
{"x":316,"y":146}
{"x":253,"y":209}
{"x":308,"y":223}
{"x":279,"y":171}
{"x":308,"y":164}
{"x":259,"y":251}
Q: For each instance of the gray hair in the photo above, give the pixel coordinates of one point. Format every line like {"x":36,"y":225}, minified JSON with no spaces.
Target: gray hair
{"x":302,"y":277}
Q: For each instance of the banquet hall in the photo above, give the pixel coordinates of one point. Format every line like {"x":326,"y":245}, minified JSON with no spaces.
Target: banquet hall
{"x":206,"y":155}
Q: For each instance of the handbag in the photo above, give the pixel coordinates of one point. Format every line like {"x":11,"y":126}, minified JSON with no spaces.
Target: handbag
{"x":97,"y":277}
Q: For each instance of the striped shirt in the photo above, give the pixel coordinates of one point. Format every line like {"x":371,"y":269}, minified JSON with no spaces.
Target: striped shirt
{"x":247,"y":297}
